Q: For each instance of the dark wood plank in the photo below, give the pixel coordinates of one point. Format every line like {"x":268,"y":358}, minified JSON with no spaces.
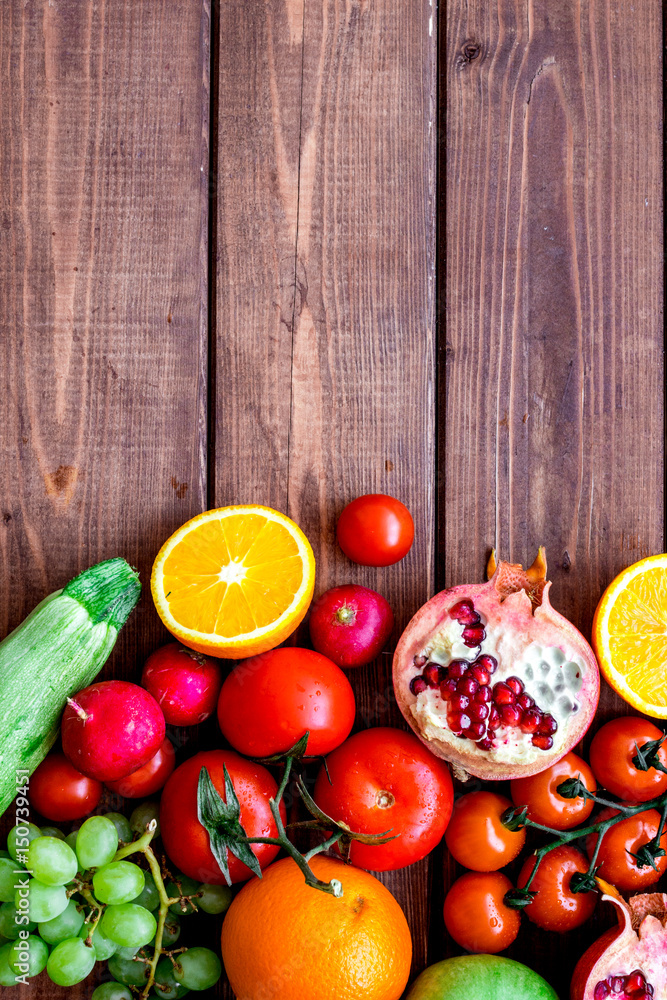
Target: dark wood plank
{"x":103,"y":296}
{"x":553,"y":423}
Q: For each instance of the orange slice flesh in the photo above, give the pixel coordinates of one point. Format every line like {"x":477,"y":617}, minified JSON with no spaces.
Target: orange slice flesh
{"x":630,"y":635}
{"x":235,"y":581}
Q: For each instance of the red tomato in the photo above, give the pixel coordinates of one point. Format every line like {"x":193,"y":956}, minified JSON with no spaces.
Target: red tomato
{"x":475,"y":836}
{"x":375,"y":530}
{"x":476,"y":915}
{"x":186,"y":841}
{"x":385,"y":779}
{"x":545,"y":805}
{"x":556,"y":907}
{"x":611,"y":754}
{"x":147,"y":779}
{"x":620,"y":841}
{"x":269,"y":701}
{"x":58,"y":791}
{"x":184,"y":683}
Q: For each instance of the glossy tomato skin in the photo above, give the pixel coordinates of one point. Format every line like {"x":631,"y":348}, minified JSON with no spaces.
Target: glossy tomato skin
{"x":269,"y":701}
{"x":184,"y":683}
{"x":475,"y":836}
{"x":476,"y":915}
{"x":545,"y":805}
{"x":556,"y":907}
{"x":619,"y":843}
{"x":147,"y":779}
{"x":375,"y":530}
{"x":385,"y":779}
{"x":611,"y":754}
{"x":59,"y":792}
{"x":186,"y":841}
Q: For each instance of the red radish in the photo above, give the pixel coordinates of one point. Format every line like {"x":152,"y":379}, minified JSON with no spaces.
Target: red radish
{"x":147,"y":779}
{"x":186,"y":684}
{"x":350,"y":624}
{"x":111,"y":729}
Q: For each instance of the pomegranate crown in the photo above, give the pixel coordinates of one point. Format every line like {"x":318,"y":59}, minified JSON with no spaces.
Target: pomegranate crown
{"x":509,"y":578}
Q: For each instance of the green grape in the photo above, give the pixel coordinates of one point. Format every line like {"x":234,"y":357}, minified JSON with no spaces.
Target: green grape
{"x":52,"y":831}
{"x":165,"y":984}
{"x":51,"y":861}
{"x":188,"y":887}
{"x":122,"y":825}
{"x":28,"y":956}
{"x":66,"y":925}
{"x":104,"y":947}
{"x":143,"y":814}
{"x":214,"y":898}
{"x":128,"y":925}
{"x":130,"y":971}
{"x":118,"y":882}
{"x":149,"y":896}
{"x":71,"y":839}
{"x":198,"y":968}
{"x":111,"y":991}
{"x":28,"y":832}
{"x":70,"y":962}
{"x":44,"y":901}
{"x":97,"y":842}
{"x":10,"y":871}
{"x":127,"y":952}
{"x":171,"y":931}
{"x":11,"y":922}
{"x":7,"y":975}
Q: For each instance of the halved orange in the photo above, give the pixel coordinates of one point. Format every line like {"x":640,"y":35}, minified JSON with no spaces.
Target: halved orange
{"x":235,"y":581}
{"x":630,"y":635}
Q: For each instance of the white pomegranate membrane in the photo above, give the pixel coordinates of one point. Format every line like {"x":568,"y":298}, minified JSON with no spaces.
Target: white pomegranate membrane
{"x":466,"y":688}
{"x":631,"y":987}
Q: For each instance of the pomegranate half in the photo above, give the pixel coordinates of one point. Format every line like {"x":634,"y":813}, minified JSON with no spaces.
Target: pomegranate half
{"x":494,"y":680}
{"x":628,"y":962}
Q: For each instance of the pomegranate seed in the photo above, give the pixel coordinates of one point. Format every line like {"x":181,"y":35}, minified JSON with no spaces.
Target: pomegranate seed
{"x":475,"y":730}
{"x":511,"y":715}
{"x":432,"y":675}
{"x":447,"y":688}
{"x":464,"y":612}
{"x":457,"y":668}
{"x":493,"y":720}
{"x":478,"y":711}
{"x":483,"y":693}
{"x":525,"y":701}
{"x":459,"y":702}
{"x":515,"y":684}
{"x":531,"y":720}
{"x":542,"y":742}
{"x":473,"y":635}
{"x":502,"y":695}
{"x":635,"y":981}
{"x":417,"y":685}
{"x":617,"y":984}
{"x":467,"y":685}
{"x":547,"y":726}
{"x":458,"y":721}
{"x":420,"y":661}
{"x":489,"y":663}
{"x":481,"y":675}
{"x":649,"y":989}
{"x":485,"y":744}
{"x":601,"y":991}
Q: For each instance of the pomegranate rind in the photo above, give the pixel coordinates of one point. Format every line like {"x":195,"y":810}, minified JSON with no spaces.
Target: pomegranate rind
{"x":515,"y":604}
{"x":638,"y":942}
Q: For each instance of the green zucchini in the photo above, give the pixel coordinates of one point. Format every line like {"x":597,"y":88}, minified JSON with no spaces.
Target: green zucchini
{"x":60,"y":648}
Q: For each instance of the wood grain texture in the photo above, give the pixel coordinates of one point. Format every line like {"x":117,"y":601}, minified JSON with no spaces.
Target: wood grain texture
{"x":553,"y":396}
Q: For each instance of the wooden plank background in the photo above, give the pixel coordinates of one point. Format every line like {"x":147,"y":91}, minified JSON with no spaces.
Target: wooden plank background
{"x":145,"y":375}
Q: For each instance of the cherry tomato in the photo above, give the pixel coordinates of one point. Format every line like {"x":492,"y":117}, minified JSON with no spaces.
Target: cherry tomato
{"x":375,"y":530}
{"x":384,"y":779}
{"x":475,"y":836}
{"x":611,"y":754}
{"x":147,"y":779}
{"x":623,"y":840}
{"x":58,"y":791}
{"x":545,"y":805}
{"x":184,"y":683}
{"x":186,"y":841}
{"x":476,"y":915}
{"x":269,"y":701}
{"x":556,"y":907}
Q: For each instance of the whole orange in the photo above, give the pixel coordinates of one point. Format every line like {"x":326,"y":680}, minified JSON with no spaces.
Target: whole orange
{"x":283,"y":940}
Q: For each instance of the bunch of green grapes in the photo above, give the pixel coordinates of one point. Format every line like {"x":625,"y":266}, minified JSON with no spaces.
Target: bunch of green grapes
{"x":66,"y":903}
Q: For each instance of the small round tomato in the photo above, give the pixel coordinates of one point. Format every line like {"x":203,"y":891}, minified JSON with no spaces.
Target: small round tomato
{"x":556,"y":907}
{"x":186,"y":840}
{"x":185,"y":684}
{"x":147,"y":779}
{"x":58,"y":791}
{"x":545,"y":805}
{"x":269,"y":701}
{"x":623,"y":840}
{"x":476,"y":915}
{"x":612,"y":750}
{"x":375,"y":530}
{"x":475,"y":836}
{"x":384,"y":779}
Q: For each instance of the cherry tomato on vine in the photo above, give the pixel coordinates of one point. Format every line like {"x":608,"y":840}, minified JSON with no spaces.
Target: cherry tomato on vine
{"x":375,"y":530}
{"x":611,"y":754}
{"x":475,"y":836}
{"x":384,"y":779}
{"x":545,"y":805}
{"x":476,"y":915}
{"x":60,"y":792}
{"x":147,"y":779}
{"x":623,"y":840}
{"x":556,"y":907}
